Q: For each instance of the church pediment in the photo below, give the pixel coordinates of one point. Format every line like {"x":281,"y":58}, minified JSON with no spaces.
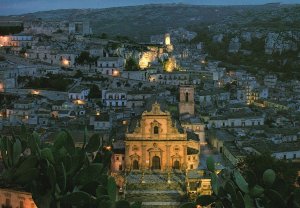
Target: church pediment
{"x":156,"y":125}
{"x":156,"y":110}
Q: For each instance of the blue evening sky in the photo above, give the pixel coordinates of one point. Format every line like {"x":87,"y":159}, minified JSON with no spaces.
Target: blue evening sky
{"x":8,"y":7}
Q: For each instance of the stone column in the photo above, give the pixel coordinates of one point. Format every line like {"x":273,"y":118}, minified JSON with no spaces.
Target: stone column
{"x":144,"y":165}
{"x":168,"y":157}
{"x":127,"y":159}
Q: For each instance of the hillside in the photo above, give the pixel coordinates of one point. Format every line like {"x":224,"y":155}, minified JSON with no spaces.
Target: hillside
{"x":140,"y":22}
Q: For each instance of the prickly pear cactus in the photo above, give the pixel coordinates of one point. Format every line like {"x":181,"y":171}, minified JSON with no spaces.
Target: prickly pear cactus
{"x":232,"y":190}
{"x":58,"y":174}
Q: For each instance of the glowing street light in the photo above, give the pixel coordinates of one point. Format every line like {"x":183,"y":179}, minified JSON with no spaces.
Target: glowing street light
{"x":65,"y":62}
{"x":116,"y":73}
{"x":35,"y":92}
{"x":79,"y":102}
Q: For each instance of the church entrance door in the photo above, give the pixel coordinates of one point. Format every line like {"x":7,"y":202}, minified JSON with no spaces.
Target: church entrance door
{"x":176,"y":164}
{"x":135,"y":165}
{"x":156,"y":163}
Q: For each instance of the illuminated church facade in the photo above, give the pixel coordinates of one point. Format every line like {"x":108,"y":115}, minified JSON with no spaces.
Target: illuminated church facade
{"x":157,"y":144}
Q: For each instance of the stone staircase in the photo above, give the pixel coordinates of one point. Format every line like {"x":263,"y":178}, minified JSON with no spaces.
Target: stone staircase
{"x":154,"y":191}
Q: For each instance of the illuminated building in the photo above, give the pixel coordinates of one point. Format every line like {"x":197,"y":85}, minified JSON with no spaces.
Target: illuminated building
{"x":13,"y":198}
{"x":157,"y":144}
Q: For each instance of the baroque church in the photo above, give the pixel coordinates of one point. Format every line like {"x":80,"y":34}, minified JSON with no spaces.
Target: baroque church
{"x":158,"y":143}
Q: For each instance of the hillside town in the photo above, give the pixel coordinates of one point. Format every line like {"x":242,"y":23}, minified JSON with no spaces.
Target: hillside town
{"x":161,"y":107}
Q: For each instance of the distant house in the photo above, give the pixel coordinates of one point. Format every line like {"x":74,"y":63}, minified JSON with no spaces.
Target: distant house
{"x":17,"y":40}
{"x":65,"y":114}
{"x":118,"y":160}
{"x":270,"y":80}
{"x":21,"y":110}
{"x":257,"y":94}
{"x":211,"y":97}
{"x":79,"y":93}
{"x":138,"y":98}
{"x":114,"y":98}
{"x":175,"y":78}
{"x":236,"y":120}
{"x":102,"y":121}
{"x":40,"y":117}
{"x":217,"y":138}
{"x":110,"y":65}
{"x":63,"y":109}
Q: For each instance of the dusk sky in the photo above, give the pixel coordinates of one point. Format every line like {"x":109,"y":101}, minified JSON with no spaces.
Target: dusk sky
{"x":8,"y":7}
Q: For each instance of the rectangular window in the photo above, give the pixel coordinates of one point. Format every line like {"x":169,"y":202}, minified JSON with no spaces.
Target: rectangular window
{"x":191,"y":166}
{"x":117,"y":158}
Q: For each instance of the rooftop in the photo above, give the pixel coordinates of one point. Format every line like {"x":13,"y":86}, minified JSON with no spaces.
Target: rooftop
{"x":78,"y":89}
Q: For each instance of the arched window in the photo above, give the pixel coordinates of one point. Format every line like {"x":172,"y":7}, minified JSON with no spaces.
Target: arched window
{"x":155,"y":130}
{"x":186,"y":97}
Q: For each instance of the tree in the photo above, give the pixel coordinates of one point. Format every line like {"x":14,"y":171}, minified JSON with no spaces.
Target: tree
{"x":94,"y":92}
{"x":78,"y":74}
{"x":85,"y":58}
{"x":131,"y":65}
{"x":103,"y":36}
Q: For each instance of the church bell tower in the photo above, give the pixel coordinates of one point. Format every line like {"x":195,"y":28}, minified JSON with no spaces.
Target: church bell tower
{"x":186,"y":100}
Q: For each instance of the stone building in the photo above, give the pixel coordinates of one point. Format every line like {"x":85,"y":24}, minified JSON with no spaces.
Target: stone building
{"x":16,"y":199}
{"x":186,"y":100}
{"x":157,"y":144}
